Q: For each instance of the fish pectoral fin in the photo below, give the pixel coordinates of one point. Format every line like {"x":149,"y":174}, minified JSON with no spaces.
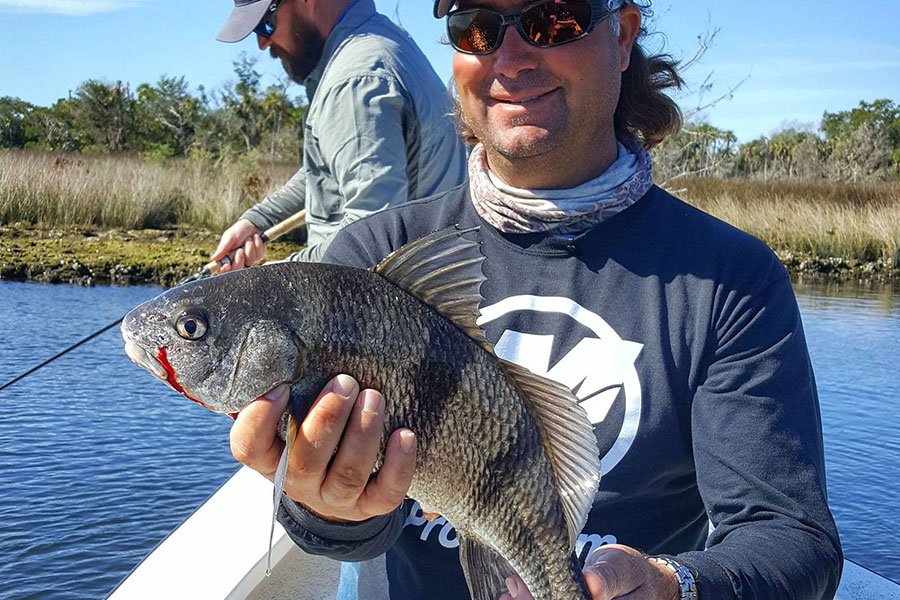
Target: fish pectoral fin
{"x":280,"y":473}
{"x":485,"y":570}
{"x":568,"y":438}
{"x":304,"y":393}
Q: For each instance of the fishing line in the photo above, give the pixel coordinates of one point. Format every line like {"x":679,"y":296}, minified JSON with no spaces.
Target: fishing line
{"x":66,"y":351}
{"x":208,"y":269}
{"x":204,"y":272}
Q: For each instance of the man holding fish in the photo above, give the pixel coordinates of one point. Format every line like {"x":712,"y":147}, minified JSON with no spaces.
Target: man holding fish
{"x":678,"y":335}
{"x":377,"y":130}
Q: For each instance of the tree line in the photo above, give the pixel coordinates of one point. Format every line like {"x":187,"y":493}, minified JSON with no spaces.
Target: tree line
{"x":163,"y":120}
{"x":167,"y":120}
{"x":861,"y":145}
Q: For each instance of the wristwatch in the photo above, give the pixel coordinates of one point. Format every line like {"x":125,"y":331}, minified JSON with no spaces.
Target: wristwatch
{"x":686,"y":580}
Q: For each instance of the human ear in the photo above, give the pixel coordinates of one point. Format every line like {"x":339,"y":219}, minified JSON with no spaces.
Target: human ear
{"x":629,"y":26}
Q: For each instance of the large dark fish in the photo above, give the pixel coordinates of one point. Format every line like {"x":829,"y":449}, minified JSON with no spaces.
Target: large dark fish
{"x":509,"y":458}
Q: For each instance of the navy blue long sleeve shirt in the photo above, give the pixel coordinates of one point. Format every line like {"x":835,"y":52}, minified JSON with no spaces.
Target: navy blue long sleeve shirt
{"x":682,"y":339}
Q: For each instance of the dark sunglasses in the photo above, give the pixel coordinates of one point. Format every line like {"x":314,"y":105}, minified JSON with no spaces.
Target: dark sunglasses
{"x":543,"y":24}
{"x":266,"y":26}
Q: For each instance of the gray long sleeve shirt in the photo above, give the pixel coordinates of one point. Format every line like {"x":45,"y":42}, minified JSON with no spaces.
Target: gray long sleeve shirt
{"x":378,"y":132}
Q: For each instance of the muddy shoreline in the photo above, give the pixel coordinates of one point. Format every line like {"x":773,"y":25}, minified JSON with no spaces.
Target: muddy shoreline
{"x":86,"y":256}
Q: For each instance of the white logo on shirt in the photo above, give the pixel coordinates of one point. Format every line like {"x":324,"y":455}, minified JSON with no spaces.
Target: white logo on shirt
{"x":445,"y":531}
{"x":446,"y":534}
{"x":587,"y":543}
{"x":598,"y":368}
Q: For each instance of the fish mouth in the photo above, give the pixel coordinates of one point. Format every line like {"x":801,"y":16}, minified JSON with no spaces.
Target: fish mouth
{"x":145,"y":360}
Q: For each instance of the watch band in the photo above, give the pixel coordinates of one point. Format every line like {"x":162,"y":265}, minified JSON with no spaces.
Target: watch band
{"x":687,"y":583}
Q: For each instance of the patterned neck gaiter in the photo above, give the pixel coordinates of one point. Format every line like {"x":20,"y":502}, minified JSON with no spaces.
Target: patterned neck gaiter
{"x":566,"y":212}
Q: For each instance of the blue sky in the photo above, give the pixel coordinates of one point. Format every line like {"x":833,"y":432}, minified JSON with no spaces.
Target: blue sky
{"x":799,"y":58}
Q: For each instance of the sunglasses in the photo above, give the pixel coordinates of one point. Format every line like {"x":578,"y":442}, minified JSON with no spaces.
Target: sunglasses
{"x":266,"y":26}
{"x":543,"y":24}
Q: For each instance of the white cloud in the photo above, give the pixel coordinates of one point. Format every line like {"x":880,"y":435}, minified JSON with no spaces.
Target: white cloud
{"x":66,"y":7}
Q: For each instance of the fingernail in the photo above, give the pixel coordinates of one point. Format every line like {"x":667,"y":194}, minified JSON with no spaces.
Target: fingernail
{"x":278,"y":393}
{"x":594,"y":559}
{"x":407,"y":441}
{"x":513,"y":586}
{"x":371,"y":401}
{"x":343,"y":385}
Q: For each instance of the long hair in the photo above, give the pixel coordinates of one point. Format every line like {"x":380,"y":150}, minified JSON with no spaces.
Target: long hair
{"x":644,"y":110}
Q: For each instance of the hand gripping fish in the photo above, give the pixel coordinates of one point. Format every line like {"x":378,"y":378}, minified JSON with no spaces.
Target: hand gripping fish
{"x":509,"y":458}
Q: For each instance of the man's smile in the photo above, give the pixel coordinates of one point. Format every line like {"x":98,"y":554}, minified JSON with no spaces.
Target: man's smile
{"x":523,"y":100}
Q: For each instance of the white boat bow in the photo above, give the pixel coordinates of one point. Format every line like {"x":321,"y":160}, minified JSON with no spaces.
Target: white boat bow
{"x":219,"y":553}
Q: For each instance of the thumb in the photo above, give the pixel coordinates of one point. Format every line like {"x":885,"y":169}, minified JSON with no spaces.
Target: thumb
{"x":225,"y":245}
{"x":596,"y":586}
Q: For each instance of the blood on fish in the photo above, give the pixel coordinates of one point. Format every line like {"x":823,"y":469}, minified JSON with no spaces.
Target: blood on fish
{"x":171,"y":379}
{"x":163,"y":358}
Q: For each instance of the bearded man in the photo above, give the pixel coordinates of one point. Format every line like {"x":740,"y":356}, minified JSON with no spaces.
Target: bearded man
{"x":680,"y":335}
{"x":377,"y":130}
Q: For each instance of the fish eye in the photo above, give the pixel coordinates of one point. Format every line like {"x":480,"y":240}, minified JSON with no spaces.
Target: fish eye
{"x":191,"y":326}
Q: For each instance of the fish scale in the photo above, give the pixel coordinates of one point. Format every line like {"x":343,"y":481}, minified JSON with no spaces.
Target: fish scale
{"x":489,"y":445}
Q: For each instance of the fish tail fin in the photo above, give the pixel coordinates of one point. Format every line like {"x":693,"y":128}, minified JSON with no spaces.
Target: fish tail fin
{"x":280,"y":472}
{"x":484,"y":569}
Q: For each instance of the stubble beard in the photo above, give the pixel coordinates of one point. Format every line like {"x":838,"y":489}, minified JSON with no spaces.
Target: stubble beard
{"x":520,"y":137}
{"x":518,"y":149}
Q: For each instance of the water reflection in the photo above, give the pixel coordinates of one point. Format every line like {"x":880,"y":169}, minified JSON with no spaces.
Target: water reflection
{"x":884,"y":297}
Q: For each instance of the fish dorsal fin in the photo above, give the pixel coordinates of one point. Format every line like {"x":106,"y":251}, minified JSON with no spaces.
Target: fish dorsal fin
{"x":444,"y":270}
{"x":569,"y":439}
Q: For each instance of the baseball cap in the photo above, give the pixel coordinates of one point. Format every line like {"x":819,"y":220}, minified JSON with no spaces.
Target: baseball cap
{"x":442,"y":7}
{"x":243,"y":19}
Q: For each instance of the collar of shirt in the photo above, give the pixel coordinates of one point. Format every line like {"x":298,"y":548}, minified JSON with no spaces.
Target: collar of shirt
{"x":356,"y":14}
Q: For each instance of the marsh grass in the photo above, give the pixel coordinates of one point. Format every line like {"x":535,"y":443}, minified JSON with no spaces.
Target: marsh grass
{"x":852,"y":222}
{"x":126,"y":192}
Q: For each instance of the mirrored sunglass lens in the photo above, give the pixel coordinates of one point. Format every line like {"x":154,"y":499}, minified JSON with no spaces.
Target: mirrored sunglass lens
{"x":264,"y":29}
{"x":556,"y":21}
{"x":266,"y":25}
{"x":474,"y":31}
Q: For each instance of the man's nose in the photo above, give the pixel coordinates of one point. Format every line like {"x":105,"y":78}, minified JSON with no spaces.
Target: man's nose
{"x":514,"y":54}
{"x":263,"y":42}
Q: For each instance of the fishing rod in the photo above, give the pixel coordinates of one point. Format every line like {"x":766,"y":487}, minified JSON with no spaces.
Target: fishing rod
{"x":210,"y":268}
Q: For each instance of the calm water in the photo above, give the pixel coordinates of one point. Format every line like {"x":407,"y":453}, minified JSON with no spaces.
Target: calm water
{"x":98,"y":462}
{"x":854,"y":342}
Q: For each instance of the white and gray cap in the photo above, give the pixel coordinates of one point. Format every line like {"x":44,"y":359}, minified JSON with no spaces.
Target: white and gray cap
{"x":442,"y":7}
{"x":244,"y":18}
